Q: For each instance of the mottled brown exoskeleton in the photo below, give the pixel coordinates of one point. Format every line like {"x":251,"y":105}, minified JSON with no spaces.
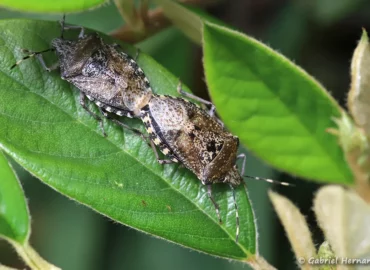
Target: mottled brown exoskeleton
{"x":106,"y":76}
{"x":190,"y":135}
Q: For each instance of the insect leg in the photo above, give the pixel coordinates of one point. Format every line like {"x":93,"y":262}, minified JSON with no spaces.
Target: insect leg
{"x":160,"y":161}
{"x":82,"y":29}
{"x":206,"y":102}
{"x":134,"y":130}
{"x":236,"y":215}
{"x":38,"y":55}
{"x":137,"y":54}
{"x":68,"y":27}
{"x":62,"y":22}
{"x":97,"y":117}
{"x":44,"y":66}
{"x":244,"y":158}
{"x":217,"y":207}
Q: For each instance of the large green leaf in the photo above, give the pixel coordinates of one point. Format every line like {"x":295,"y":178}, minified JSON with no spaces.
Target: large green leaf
{"x":14,"y":219}
{"x":43,"y":128}
{"x":59,"y":6}
{"x":278,"y":111}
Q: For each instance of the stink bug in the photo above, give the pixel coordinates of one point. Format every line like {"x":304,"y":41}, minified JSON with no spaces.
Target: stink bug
{"x":106,"y":76}
{"x":188,"y":134}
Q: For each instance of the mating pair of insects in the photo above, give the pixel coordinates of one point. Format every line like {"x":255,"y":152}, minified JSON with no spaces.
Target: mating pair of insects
{"x":182,"y":130}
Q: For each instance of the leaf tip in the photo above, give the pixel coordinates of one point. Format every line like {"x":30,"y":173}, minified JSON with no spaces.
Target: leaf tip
{"x":359,"y":96}
{"x":364,"y":36}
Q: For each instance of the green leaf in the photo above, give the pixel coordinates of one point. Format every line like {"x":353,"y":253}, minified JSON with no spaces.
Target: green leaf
{"x":109,"y":17}
{"x":14,"y":219}
{"x":59,"y":6}
{"x":278,"y":111}
{"x":43,"y":127}
{"x":189,"y":19}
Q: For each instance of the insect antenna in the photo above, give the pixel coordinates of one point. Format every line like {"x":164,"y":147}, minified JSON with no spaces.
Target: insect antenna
{"x":270,"y":181}
{"x":62,"y":23}
{"x":31,"y":54}
{"x":236,"y":214}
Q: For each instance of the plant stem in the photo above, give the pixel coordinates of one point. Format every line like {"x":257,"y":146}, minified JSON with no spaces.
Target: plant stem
{"x":259,"y":263}
{"x":31,"y":257}
{"x":151,"y":22}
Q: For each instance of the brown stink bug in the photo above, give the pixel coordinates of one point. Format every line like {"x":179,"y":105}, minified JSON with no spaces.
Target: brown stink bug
{"x":188,"y":134}
{"x":106,"y":76}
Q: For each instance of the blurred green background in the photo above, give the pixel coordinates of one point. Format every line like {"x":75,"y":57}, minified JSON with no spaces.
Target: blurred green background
{"x":319,"y":35}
